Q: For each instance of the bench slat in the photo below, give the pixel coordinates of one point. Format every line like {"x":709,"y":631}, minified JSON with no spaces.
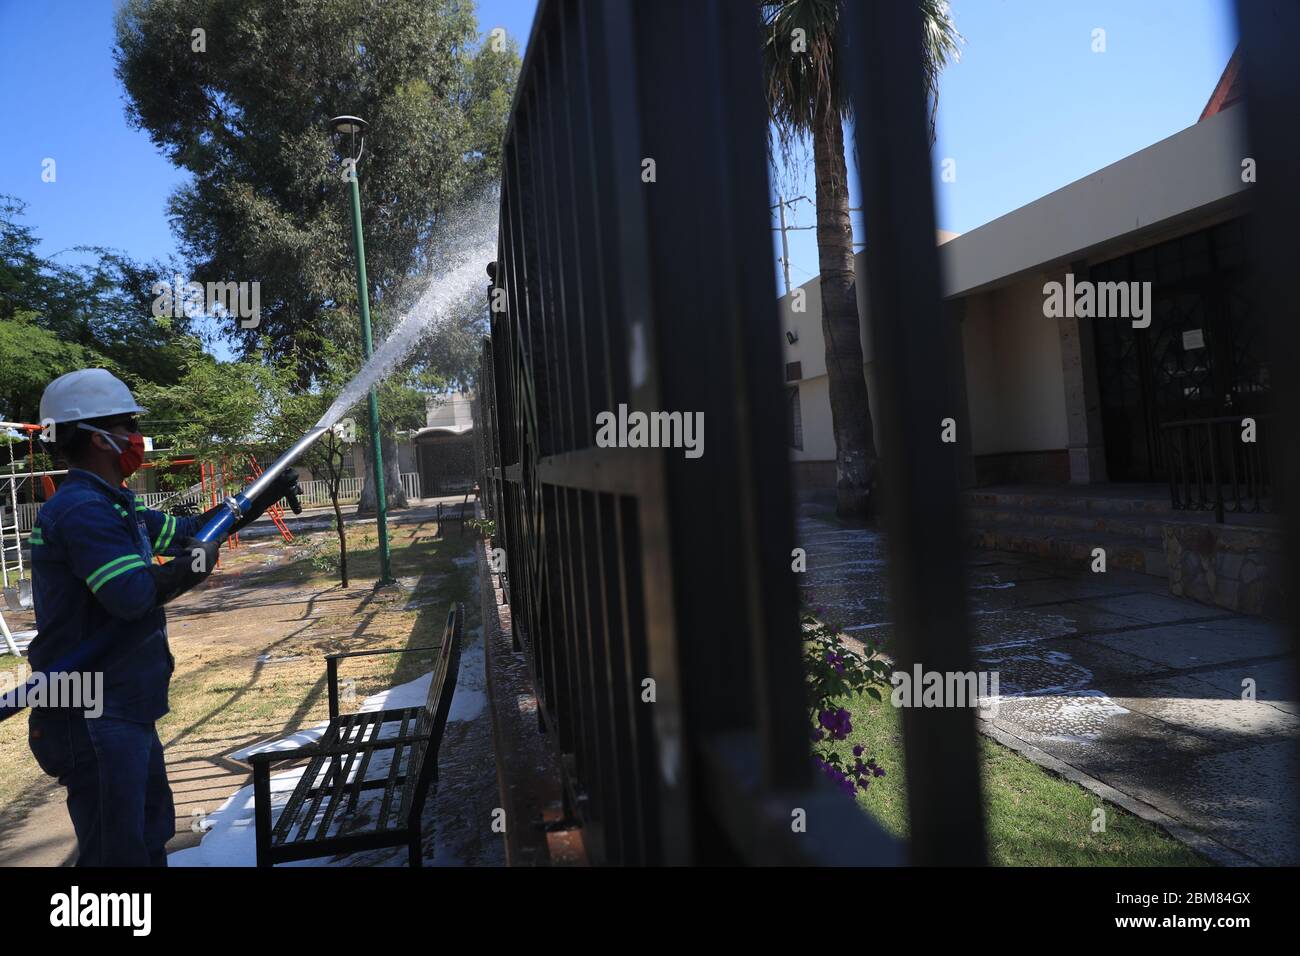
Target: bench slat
{"x":368,"y":729}
{"x":382,"y":822}
{"x":284,"y":825}
{"x":360,"y":784}
{"x":294,"y":825}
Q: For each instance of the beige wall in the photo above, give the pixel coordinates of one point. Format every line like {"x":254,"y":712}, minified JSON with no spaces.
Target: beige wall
{"x":1014,"y":379}
{"x":1015,"y":384}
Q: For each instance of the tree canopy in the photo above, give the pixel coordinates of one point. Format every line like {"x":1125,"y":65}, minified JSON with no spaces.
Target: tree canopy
{"x":243,"y":105}
{"x":55,"y":318}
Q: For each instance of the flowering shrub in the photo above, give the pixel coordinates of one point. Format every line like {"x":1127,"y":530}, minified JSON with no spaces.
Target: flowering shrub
{"x":834,"y":672}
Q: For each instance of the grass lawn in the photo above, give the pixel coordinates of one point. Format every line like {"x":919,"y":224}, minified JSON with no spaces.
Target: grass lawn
{"x":1034,"y":818}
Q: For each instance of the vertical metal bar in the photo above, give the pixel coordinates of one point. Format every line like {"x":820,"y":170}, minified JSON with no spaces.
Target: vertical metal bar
{"x":570,"y":131}
{"x":607,"y":369}
{"x":766,"y":499}
{"x":593,"y":738}
{"x":1232,"y":466}
{"x":571,"y":712}
{"x":652,"y":638}
{"x":332,"y":678}
{"x":1215,"y":481}
{"x":922,"y":504}
{"x":1270,"y":36}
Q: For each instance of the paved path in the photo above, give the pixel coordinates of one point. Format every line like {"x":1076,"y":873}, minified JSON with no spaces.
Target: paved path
{"x":1109,"y":680}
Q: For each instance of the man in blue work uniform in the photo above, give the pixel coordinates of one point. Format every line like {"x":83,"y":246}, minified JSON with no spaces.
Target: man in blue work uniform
{"x":93,"y":573}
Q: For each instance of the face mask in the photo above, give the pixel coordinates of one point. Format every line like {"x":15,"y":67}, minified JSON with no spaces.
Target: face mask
{"x":129,"y":460}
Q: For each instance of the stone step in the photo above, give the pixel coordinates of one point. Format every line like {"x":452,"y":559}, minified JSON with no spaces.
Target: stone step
{"x":1137,"y":525}
{"x":1073,"y":548}
{"x":1059,"y":503}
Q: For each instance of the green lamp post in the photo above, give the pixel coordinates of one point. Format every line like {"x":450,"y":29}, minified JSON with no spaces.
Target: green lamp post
{"x":351,"y":131}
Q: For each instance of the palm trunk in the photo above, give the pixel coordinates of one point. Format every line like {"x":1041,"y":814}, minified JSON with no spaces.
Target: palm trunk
{"x":855,"y":447}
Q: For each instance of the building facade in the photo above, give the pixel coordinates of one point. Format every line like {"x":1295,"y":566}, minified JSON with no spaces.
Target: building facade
{"x":1070,"y":398}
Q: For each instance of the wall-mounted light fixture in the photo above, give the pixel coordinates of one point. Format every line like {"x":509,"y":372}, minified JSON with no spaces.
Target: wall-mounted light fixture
{"x":792,"y":337}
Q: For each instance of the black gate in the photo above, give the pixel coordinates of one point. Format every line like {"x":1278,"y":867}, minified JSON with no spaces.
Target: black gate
{"x":1202,"y":357}
{"x":652,"y":593}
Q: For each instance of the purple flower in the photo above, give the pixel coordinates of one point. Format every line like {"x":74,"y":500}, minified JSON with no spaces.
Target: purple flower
{"x":838,"y":723}
{"x":857,"y":751}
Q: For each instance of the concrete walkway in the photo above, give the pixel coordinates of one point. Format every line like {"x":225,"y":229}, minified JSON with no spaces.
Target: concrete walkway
{"x":1110,"y":681}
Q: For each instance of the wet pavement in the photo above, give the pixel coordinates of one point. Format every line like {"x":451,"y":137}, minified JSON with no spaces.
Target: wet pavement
{"x":1116,"y":679}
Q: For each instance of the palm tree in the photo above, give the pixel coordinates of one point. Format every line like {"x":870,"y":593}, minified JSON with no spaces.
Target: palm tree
{"x":806,"y":100}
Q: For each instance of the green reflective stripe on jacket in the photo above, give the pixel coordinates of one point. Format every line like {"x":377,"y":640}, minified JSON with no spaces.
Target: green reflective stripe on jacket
{"x":112,"y":569}
{"x":165,"y":534}
{"x":37,"y":537}
{"x":139,"y":562}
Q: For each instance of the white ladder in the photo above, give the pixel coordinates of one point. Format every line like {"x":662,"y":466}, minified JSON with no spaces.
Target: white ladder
{"x":5,"y":546}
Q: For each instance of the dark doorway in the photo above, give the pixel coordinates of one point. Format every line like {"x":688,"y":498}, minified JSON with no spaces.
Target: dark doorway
{"x":1201,"y":357}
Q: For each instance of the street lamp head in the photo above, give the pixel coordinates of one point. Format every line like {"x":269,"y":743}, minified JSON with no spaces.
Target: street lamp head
{"x":347,"y":130}
{"x":348,"y":125}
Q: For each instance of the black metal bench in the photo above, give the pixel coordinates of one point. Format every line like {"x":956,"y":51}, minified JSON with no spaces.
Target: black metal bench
{"x":454,"y":512}
{"x":320,"y":817}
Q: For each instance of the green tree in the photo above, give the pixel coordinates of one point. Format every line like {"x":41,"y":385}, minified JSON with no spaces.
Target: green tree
{"x":31,"y":357}
{"x":228,"y":411}
{"x":214,"y":409}
{"x":807,"y":100}
{"x":247,"y":115}
{"x":55,"y":318}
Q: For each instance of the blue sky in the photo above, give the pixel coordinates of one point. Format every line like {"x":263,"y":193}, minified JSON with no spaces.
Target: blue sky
{"x":1028,"y":109}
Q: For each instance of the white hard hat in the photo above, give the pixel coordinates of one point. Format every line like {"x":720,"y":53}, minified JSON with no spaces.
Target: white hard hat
{"x":87,"y":393}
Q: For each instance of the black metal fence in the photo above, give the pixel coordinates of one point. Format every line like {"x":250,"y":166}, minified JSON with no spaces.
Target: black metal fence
{"x":1220,"y":464}
{"x":651,"y":592}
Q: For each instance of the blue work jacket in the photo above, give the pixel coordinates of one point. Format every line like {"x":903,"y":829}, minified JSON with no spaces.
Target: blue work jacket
{"x":91,"y":549}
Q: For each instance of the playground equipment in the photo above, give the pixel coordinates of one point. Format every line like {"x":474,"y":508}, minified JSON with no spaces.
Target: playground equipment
{"x":275,"y":511}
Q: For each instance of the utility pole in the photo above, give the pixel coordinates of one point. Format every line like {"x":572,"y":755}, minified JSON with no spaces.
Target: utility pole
{"x":785,"y":245}
{"x":783,"y":228}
